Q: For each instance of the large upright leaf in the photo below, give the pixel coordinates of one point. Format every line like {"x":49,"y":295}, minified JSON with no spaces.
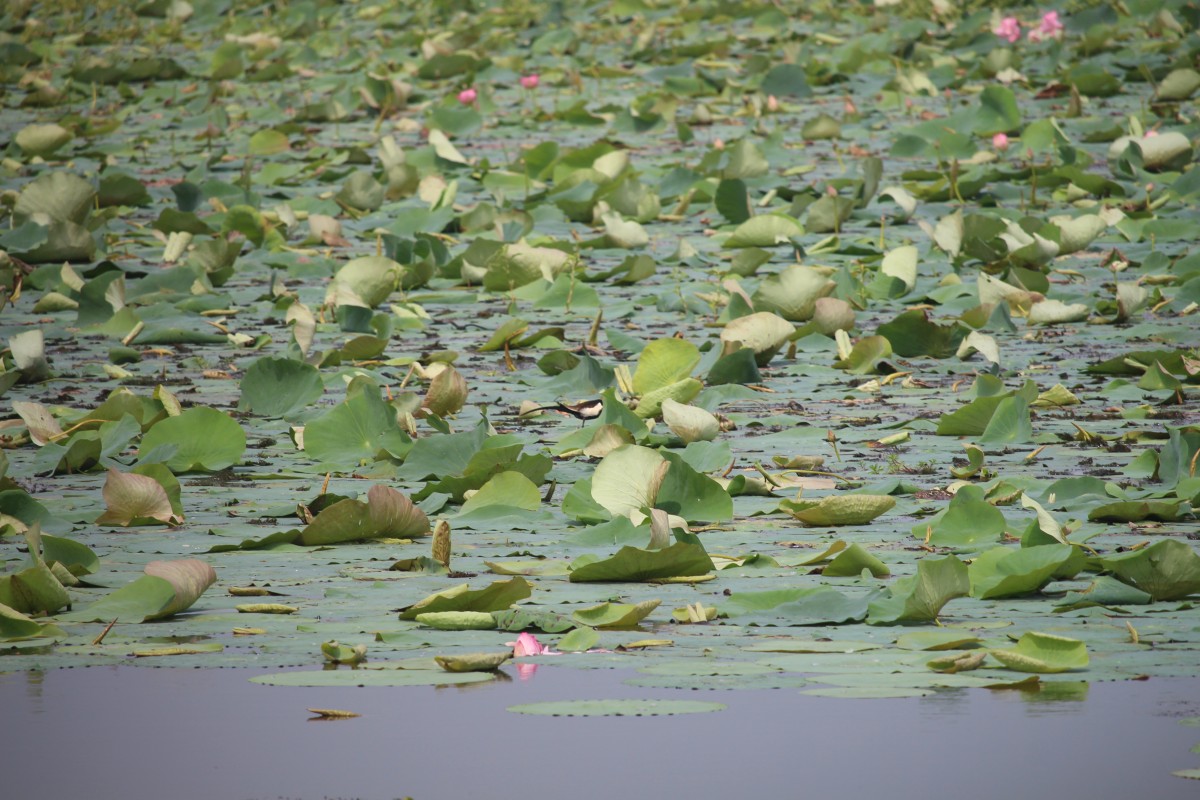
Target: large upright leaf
{"x":628,"y":479}
{"x":358,"y":430}
{"x":631,"y":564}
{"x":279,"y":387}
{"x":1008,"y":572}
{"x":167,"y":588}
{"x":204,"y":438}
{"x":497,"y":596}
{"x":920,"y":597}
{"x":387,"y":513}
{"x":664,"y":362}
{"x":1166,"y":570}
{"x":970,"y":522}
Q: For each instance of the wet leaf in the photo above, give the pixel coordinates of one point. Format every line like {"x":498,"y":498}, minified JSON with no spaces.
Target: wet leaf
{"x":1044,"y":653}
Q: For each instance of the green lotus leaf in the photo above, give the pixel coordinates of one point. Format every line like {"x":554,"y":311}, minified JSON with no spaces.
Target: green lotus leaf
{"x":843,"y":509}
{"x":1044,"y":653}
{"x":690,"y":423}
{"x":510,"y":489}
{"x":204,"y":439}
{"x":615,"y":615}
{"x":852,"y":561}
{"x":279,"y":387}
{"x":1137,"y":510}
{"x":633,"y":564}
{"x":167,"y":588}
{"x":792,"y":293}
{"x":473,"y":662}
{"x":17,"y":627}
{"x":497,"y":596}
{"x":921,"y":597}
{"x":628,"y":479}
{"x":59,"y":196}
{"x":360,"y":429}
{"x":133,"y":499}
{"x":1166,"y":151}
{"x":763,"y":333}
{"x":1007,"y":572}
{"x":664,"y":362}
{"x":386,"y":514}
{"x":765,"y":230}
{"x":42,"y":140}
{"x":941,"y":639}
{"x":968,"y":523}
{"x":650,"y":404}
{"x":518,"y":264}
{"x":1166,"y":570}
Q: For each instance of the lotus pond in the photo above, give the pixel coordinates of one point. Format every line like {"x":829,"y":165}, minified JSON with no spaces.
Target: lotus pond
{"x":847,"y":350}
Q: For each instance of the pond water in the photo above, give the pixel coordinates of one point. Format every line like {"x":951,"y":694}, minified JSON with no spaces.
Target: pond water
{"x":130,"y":733}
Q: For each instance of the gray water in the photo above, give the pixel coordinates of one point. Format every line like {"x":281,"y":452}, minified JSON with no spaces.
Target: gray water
{"x":179,"y":734}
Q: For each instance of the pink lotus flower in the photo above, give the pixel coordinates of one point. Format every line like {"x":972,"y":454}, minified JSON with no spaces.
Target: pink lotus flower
{"x":467,"y":96}
{"x":1000,"y":141}
{"x":528,"y":645}
{"x":530,"y":81}
{"x":1050,"y":25}
{"x":1008,"y":29}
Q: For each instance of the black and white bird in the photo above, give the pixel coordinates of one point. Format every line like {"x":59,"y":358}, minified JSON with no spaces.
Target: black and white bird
{"x":586,"y":410}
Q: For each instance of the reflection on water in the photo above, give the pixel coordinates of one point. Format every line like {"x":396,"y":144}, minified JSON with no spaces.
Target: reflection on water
{"x":211,"y":734}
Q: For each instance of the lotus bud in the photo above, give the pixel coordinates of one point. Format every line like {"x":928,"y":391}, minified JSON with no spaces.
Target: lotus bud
{"x":831,"y":314}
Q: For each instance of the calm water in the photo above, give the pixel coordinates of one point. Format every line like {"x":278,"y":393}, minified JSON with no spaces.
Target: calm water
{"x":132,"y":733}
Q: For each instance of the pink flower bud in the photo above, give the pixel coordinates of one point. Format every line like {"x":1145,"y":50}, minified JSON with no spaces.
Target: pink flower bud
{"x":1000,"y":141}
{"x":467,"y":96}
{"x":1050,"y":25}
{"x":1008,"y":29}
{"x":530,"y":81}
{"x":772,"y":103}
{"x":527,"y":645}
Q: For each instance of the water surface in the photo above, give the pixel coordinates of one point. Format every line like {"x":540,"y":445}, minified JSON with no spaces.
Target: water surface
{"x":202,"y":734}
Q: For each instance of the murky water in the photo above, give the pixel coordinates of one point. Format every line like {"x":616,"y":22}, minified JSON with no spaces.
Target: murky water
{"x":135,"y":733}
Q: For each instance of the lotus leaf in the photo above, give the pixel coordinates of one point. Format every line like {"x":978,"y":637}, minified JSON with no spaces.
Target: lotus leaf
{"x":763,"y":333}
{"x":793,"y":293}
{"x":1044,"y":653}
{"x":632,"y":564}
{"x":920,"y":597}
{"x":849,"y":509}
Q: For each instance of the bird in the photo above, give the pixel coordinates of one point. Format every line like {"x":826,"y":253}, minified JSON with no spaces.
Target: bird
{"x":588,"y":409}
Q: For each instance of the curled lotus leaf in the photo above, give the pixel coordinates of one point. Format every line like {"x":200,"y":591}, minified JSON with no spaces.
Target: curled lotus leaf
{"x":650,"y":404}
{"x":133,"y":499}
{"x":628,"y":479}
{"x":369,"y":279}
{"x":458,"y":620}
{"x":846,"y":509}
{"x":615,"y":615}
{"x":793,"y":292}
{"x":690,"y":423}
{"x":1044,"y":653}
{"x":1170,"y":150}
{"x":41,"y":140}
{"x":189,"y":577}
{"x":518,"y":264}
{"x":472,"y":662}
{"x":447,"y":393}
{"x":763,"y":333}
